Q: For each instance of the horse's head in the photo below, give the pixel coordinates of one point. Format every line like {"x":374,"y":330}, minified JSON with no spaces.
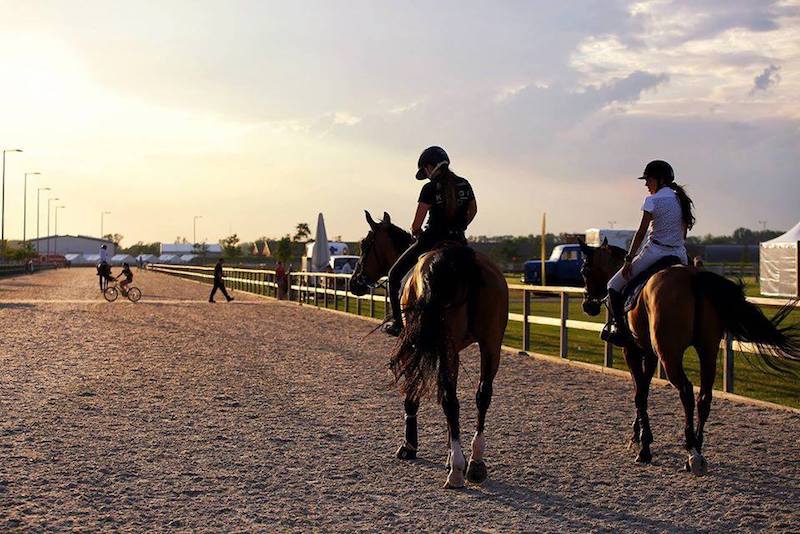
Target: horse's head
{"x":599,"y":265}
{"x":379,"y":250}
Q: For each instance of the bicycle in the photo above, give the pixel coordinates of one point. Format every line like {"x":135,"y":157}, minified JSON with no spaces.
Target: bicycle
{"x":111,"y":293}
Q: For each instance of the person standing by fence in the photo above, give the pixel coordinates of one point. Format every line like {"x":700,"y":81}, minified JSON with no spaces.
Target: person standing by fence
{"x":219,"y":282}
{"x":280,"y":280}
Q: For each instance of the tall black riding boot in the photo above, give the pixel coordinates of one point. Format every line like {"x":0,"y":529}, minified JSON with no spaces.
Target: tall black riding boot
{"x":620,"y":335}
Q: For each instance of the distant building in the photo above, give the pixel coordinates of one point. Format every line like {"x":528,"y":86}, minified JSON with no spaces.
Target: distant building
{"x":179,"y":249}
{"x":71,"y":244}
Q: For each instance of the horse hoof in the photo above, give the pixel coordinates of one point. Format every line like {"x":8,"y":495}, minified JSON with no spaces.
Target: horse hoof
{"x":406,"y":453}
{"x":644,"y":457}
{"x":455,"y":480}
{"x":476,"y":471}
{"x":697,"y":465}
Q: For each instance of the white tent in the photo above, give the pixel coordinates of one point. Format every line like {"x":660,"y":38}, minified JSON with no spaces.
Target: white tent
{"x":119,"y":259}
{"x":320,"y":255}
{"x":779,"y":265}
{"x":187,"y":258}
{"x":92,"y":259}
{"x":147,"y":258}
{"x":167,"y":258}
{"x":75,"y":259}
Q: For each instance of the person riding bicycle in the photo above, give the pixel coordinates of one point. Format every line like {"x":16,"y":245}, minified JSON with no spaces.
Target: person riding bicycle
{"x":668,"y":213}
{"x":128,"y":274}
{"x":449,"y":203}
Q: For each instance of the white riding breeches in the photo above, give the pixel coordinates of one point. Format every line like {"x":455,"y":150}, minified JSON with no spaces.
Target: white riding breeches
{"x":649,"y":255}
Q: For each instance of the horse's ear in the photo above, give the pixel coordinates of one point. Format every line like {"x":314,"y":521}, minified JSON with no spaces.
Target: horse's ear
{"x":586,"y":249}
{"x":386,"y":218}
{"x":370,"y":221}
{"x":605,"y":242}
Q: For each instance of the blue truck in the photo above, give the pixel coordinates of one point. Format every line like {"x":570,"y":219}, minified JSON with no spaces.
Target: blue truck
{"x":563,"y":268}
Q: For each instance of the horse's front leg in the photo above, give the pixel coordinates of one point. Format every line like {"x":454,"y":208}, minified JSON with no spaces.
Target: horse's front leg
{"x":456,"y":459}
{"x":408,"y":450}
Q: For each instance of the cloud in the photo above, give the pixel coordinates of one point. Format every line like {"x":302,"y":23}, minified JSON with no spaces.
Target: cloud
{"x":768,"y":78}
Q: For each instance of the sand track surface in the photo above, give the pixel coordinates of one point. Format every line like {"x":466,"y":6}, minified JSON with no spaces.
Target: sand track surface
{"x":176,"y":414}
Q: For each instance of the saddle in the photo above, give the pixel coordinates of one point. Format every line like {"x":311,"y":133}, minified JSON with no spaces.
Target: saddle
{"x":634,"y":288}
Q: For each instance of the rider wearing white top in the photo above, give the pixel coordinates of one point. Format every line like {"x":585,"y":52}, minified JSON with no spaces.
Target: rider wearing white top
{"x":103,"y":254}
{"x":668,"y":214}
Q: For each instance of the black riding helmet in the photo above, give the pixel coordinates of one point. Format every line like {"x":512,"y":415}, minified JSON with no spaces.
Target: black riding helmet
{"x":433,"y":155}
{"x":660,"y":170}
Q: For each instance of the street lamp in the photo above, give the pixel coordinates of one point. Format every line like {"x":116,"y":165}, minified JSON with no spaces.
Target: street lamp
{"x":56,"y":210}
{"x":102,"y":213}
{"x":38,"y":197}
{"x":194,"y":228}
{"x":25,"y":203}
{"x":3,"y":216}
{"x":49,"y":200}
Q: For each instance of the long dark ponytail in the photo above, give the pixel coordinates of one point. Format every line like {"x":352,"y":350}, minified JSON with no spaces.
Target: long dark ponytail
{"x":447,"y":178}
{"x":687,"y":206}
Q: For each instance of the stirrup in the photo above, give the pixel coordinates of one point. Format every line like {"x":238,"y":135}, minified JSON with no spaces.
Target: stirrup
{"x":393,"y":329}
{"x":616,"y":336}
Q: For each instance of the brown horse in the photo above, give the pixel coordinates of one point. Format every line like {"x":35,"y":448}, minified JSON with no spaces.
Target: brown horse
{"x":452,"y":298}
{"x":681,"y":307}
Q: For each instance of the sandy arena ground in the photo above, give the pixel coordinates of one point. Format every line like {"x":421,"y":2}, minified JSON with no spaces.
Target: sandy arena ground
{"x":175,"y":414}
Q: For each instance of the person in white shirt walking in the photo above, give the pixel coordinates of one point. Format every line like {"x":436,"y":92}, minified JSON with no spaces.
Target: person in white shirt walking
{"x":667,"y":211}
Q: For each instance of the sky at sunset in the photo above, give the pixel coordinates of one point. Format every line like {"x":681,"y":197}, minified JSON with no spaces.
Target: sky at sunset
{"x":258,"y":115}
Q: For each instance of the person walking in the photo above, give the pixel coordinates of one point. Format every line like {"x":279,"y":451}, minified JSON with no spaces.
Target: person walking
{"x":219,"y":283}
{"x":280,"y":280}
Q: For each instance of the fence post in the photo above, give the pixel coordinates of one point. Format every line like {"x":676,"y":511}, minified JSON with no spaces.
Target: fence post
{"x":608,"y":356}
{"x":564,"y":317}
{"x":335,"y":295}
{"x":358,"y":299}
{"x":372,"y":302}
{"x":346,"y":295}
{"x":727,"y":363}
{"x":526,"y":327}
{"x":386,"y":306}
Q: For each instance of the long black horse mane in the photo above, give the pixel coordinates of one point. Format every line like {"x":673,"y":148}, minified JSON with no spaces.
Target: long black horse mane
{"x":399,"y":237}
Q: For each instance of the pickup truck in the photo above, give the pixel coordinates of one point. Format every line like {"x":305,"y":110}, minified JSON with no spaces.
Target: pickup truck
{"x":563,"y":268}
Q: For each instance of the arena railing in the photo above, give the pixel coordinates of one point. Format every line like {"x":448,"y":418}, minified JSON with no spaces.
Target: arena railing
{"x":329,"y":290}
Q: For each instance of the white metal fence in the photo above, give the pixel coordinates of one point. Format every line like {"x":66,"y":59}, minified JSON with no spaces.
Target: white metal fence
{"x":331,"y":290}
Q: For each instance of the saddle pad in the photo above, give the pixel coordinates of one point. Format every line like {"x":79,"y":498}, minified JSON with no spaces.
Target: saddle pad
{"x":634,"y":288}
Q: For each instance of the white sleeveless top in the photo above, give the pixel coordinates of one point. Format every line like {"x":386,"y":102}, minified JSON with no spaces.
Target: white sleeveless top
{"x":666,"y":229}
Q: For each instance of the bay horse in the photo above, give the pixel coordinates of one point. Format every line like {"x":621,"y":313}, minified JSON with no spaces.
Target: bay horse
{"x":681,"y":307}
{"x":452,"y":298}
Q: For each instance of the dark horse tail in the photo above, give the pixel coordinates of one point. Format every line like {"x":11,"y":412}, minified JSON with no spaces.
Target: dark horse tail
{"x":424,"y":340}
{"x":745,"y":321}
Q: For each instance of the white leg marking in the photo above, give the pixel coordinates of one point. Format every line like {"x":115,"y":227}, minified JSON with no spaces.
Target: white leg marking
{"x":458,"y":464}
{"x":478,"y":446}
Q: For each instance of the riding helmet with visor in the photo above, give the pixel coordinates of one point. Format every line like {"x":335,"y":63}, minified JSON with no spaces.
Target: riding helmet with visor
{"x":660,"y":170}
{"x":433,"y":155}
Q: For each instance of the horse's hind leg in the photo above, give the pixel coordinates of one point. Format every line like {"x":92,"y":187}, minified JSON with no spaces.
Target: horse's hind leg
{"x":708,"y":372}
{"x":408,"y":450}
{"x":673,"y":365}
{"x":448,"y":380}
{"x":490,"y":361}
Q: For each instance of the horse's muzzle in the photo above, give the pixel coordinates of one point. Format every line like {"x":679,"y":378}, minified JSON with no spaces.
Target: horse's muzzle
{"x":358,"y":285}
{"x":591,"y":307}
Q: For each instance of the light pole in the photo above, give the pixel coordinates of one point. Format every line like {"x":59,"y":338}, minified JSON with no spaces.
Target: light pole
{"x":763,"y":225}
{"x":194,"y":229}
{"x":611,"y":224}
{"x":56,"y":210}
{"x":102,"y":213}
{"x":38,"y":197}
{"x":25,"y":204}
{"x":49,"y":200}
{"x":3,"y":216}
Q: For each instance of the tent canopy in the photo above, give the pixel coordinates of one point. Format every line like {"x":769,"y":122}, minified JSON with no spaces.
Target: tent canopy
{"x":792,"y":236}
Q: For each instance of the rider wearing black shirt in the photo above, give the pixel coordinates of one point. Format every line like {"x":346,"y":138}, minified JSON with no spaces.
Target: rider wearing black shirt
{"x":449,"y":203}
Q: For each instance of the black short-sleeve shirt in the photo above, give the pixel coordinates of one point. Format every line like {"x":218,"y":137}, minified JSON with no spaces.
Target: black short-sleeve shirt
{"x":433,"y":194}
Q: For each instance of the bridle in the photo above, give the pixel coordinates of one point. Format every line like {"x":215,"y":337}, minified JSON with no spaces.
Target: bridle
{"x":366,"y":250}
{"x":587,"y":295}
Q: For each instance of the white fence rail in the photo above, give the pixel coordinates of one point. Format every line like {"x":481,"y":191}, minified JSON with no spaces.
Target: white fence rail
{"x":326,"y":290}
